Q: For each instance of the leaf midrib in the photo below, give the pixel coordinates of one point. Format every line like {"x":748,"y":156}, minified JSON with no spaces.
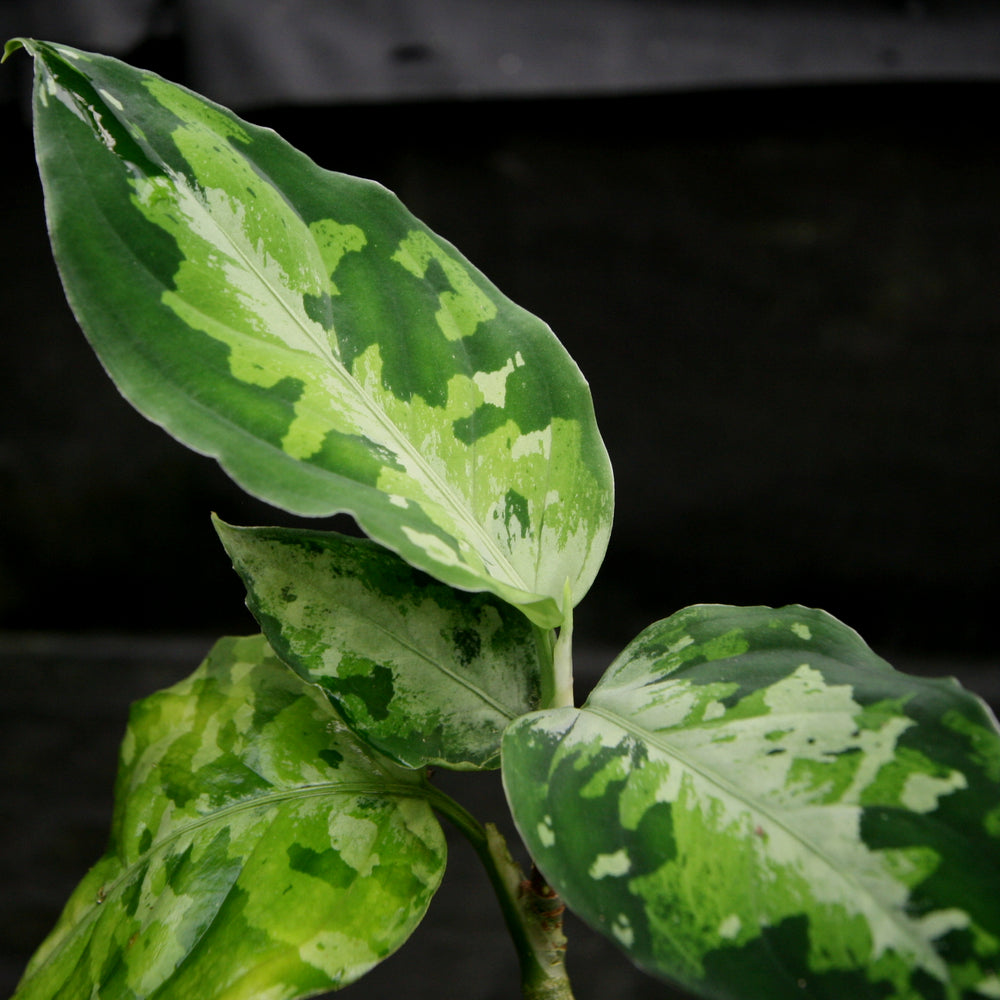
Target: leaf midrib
{"x":388,"y":790}
{"x":713,"y":778}
{"x":448,"y":497}
{"x":443,"y":668}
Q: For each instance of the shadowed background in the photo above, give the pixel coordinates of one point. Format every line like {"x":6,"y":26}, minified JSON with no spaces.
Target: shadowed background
{"x":766,"y":232}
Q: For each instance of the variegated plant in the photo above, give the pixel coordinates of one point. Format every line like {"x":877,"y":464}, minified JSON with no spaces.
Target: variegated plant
{"x":750,"y":802}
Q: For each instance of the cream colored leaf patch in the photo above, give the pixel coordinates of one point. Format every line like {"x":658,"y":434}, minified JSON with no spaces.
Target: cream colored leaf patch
{"x":754,"y":785}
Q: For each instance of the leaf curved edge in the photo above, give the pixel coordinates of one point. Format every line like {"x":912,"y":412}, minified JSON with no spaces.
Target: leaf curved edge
{"x":283,"y":335}
{"x":771,"y":810}
{"x":428,"y":675}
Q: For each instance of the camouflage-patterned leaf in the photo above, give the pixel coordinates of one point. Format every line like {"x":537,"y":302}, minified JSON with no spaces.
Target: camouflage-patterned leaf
{"x":752,"y":803}
{"x":427,"y":674}
{"x":306,"y":330}
{"x":257,"y":849}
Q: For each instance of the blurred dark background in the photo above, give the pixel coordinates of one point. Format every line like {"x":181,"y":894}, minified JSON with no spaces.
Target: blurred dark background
{"x":768,"y":234}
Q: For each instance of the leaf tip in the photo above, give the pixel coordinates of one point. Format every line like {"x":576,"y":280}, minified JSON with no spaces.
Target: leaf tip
{"x":225,"y":532}
{"x":12,"y":46}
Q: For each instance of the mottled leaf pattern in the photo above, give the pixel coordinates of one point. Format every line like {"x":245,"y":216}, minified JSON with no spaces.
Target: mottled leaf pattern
{"x":427,"y":674}
{"x":305,"y":329}
{"x":257,"y":849}
{"x":752,"y":803}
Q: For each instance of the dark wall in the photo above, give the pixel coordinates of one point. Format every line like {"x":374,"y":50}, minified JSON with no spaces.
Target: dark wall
{"x":784,"y":300}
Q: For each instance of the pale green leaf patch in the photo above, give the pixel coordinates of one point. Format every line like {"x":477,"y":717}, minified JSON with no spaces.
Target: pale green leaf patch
{"x":257,"y":849}
{"x":306,"y":330}
{"x":463,"y":307}
{"x":752,"y":803}
{"x":425,"y":673}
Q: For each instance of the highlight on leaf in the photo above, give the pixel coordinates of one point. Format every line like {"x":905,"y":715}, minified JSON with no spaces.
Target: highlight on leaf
{"x":753,"y":803}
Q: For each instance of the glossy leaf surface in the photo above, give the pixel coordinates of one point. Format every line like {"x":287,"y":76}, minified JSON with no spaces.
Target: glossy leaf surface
{"x":427,"y":674}
{"x":754,"y":804}
{"x":305,"y":329}
{"x":257,"y":850}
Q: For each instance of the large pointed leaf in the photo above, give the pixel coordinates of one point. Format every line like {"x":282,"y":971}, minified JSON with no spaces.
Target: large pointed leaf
{"x":426,"y":673}
{"x":752,"y":803}
{"x":257,"y":850}
{"x":305,"y":329}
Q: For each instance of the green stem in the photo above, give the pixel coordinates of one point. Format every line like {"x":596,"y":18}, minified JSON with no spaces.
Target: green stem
{"x":562,"y":657}
{"x":531,"y":909}
{"x":555,"y":654}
